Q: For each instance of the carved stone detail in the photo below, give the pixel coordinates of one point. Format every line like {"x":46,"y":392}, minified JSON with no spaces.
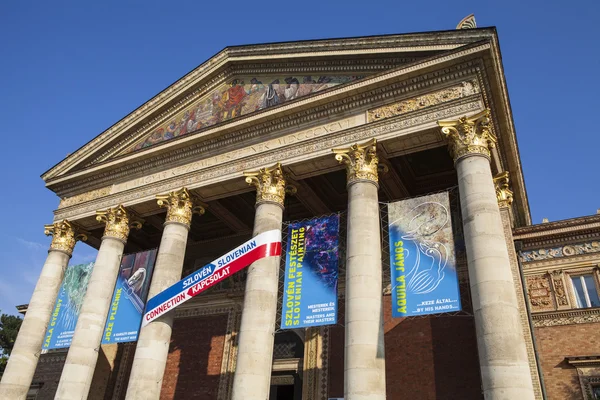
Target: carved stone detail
{"x":83,"y":197}
{"x":204,"y":176}
{"x":539,"y":292}
{"x":118,"y":222}
{"x":503,"y":193}
{"x":466,"y":88}
{"x":180,"y":207}
{"x":563,"y":251}
{"x":361,"y":161}
{"x":469,"y":135}
{"x":559,"y":288}
{"x":269,"y":183}
{"x":64,"y":236}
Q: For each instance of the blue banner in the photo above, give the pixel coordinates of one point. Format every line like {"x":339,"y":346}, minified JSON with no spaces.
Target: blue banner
{"x":61,"y":326}
{"x":422,"y":257}
{"x":311,"y":273}
{"x":125,"y":314}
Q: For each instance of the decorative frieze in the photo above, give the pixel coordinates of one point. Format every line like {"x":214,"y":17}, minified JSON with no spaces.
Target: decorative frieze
{"x":83,"y":197}
{"x":464,"y":89}
{"x":307,"y":148}
{"x":571,"y":317}
{"x":469,"y":135}
{"x":64,"y":236}
{"x":561,"y":251}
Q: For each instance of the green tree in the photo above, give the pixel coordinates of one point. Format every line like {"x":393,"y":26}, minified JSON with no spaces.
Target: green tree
{"x":9,"y":327}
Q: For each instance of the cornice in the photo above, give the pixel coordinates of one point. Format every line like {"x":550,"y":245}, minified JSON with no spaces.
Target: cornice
{"x":570,"y":317}
{"x":292,"y":153}
{"x":187,"y":83}
{"x":307,"y":111}
{"x":591,"y":222}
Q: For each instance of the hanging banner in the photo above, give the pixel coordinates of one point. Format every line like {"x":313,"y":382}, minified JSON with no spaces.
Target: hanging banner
{"x":422,"y":257}
{"x":61,"y":326}
{"x":125,"y":314}
{"x":264,"y":245}
{"x":311,"y":273}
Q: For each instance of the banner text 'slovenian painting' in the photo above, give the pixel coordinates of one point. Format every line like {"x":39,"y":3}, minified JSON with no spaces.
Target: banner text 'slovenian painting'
{"x":422,"y":257}
{"x":311,"y":273}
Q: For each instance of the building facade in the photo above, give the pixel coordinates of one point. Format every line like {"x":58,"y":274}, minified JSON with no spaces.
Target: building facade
{"x":262,"y":135}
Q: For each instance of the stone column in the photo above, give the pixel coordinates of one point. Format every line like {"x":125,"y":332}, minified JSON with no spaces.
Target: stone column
{"x":145,"y":379}
{"x":364,"y":366}
{"x":255,"y":346}
{"x":78,"y":371}
{"x":24,"y":356}
{"x":502,"y":353}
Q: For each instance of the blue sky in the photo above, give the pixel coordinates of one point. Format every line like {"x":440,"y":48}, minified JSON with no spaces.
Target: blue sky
{"x":71,"y":69}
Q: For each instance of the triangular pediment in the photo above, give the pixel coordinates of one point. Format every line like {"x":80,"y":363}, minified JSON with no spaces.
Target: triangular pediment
{"x":239,"y":96}
{"x":241,"y":81}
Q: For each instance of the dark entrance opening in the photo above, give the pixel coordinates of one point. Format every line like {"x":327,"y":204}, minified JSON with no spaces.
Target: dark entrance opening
{"x":282,"y":392}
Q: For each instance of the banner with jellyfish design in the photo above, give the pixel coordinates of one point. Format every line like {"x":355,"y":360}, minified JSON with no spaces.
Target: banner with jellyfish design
{"x":61,"y":326}
{"x":422,"y":257}
{"x":129,"y":297}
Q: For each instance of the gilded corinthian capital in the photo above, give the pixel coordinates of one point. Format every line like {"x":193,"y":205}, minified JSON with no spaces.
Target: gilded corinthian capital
{"x":469,"y":135}
{"x":270,"y":184}
{"x":180,"y":207}
{"x":64,"y":236}
{"x":361,"y":161}
{"x":503,"y":192}
{"x":118,"y":222}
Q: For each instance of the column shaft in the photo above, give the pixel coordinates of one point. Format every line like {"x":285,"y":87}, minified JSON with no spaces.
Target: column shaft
{"x":502,"y":352}
{"x":255,"y":347}
{"x":24,"y":357}
{"x":145,"y":380}
{"x":81,"y":360}
{"x":364,"y":370}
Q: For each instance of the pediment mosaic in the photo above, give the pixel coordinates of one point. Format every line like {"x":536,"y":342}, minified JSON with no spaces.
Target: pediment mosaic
{"x":239,"y":96}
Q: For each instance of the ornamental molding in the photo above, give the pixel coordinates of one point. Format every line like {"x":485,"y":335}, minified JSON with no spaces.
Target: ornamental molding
{"x":64,"y":236}
{"x":239,"y":130}
{"x":469,"y":136}
{"x":290,"y":154}
{"x":503,"y":193}
{"x":569,"y":250}
{"x":571,"y":317}
{"x":180,"y":207}
{"x":591,"y":222}
{"x":373,"y":45}
{"x":361,"y":162}
{"x":464,"y":89}
{"x":118,"y":221}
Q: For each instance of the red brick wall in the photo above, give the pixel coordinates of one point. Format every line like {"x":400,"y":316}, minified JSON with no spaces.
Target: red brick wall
{"x":426,"y":358}
{"x":557,"y":342}
{"x":194,"y":363}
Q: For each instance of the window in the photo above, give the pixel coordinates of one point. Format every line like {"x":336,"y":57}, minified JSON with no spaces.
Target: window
{"x":585,"y":291}
{"x":596,"y":392}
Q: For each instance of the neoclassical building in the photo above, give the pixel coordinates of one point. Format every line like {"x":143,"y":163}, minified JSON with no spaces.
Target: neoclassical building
{"x":261,"y":135}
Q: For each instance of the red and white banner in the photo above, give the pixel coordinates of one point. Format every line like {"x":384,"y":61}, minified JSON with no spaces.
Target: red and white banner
{"x":266,"y":244}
